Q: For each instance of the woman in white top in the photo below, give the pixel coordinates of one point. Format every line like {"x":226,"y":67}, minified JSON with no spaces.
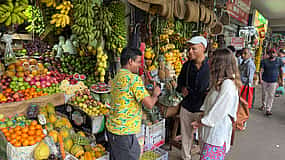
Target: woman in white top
{"x":219,"y":106}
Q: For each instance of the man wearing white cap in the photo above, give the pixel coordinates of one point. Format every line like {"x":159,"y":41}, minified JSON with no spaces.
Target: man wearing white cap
{"x":193,"y":83}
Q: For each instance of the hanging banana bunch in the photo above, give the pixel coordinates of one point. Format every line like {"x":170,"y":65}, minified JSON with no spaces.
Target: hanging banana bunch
{"x":13,"y":13}
{"x":62,"y":19}
{"x":49,"y":3}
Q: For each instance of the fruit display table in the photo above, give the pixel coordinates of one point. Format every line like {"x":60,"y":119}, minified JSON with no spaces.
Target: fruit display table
{"x":8,"y":109}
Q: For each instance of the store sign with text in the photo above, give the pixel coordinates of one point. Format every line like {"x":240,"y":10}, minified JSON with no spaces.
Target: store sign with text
{"x":239,"y":9}
{"x":237,"y":42}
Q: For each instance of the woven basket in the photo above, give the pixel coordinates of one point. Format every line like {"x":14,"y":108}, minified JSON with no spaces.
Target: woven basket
{"x":202,"y":12}
{"x":225,"y":18}
{"x":208,"y":16}
{"x":213,"y":21}
{"x":192,"y":12}
{"x":141,"y":5}
{"x":218,"y":29}
{"x":179,"y":9}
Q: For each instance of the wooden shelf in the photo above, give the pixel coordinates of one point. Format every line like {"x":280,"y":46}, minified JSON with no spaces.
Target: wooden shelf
{"x":22,"y":36}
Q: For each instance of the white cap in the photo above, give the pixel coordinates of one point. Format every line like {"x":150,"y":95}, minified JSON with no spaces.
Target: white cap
{"x":197,"y":40}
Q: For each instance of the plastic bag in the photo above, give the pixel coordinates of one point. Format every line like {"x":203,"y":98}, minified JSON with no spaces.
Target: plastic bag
{"x":9,"y":54}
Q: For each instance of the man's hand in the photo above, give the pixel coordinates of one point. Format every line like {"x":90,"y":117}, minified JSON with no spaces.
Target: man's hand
{"x":185,"y":91}
{"x":156,"y":91}
{"x":196,"y":124}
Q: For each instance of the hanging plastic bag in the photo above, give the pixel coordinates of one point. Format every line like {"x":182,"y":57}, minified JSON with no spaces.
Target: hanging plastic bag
{"x":9,"y":54}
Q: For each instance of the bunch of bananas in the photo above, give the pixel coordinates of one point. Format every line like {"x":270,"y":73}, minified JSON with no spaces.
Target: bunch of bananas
{"x":62,"y":19}
{"x":101,"y":64}
{"x":65,"y":7}
{"x":102,"y":21}
{"x":83,"y":21}
{"x":49,"y":3}
{"x":35,"y":18}
{"x":117,"y":40}
{"x":12,"y":13}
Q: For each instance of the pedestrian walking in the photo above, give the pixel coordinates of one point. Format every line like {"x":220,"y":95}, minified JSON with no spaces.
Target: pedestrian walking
{"x":220,"y":106}
{"x":128,"y":94}
{"x":271,"y":67}
{"x":247,"y":68}
{"x":280,"y":90}
{"x":193,"y":83}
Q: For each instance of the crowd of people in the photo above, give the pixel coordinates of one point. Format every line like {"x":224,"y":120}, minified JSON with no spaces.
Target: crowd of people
{"x":211,"y":87}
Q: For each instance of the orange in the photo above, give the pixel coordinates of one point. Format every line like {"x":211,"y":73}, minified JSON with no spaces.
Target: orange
{"x":25,"y":143}
{"x":11,"y":130}
{"x":31,"y":132}
{"x":33,"y":123}
{"x":31,"y":138}
{"x":43,"y":136}
{"x":25,"y":129}
{"x":32,"y":142}
{"x":18,"y":133}
{"x":13,"y":141}
{"x":38,"y":132}
{"x":38,"y":139}
{"x":13,"y":136}
{"x":7,"y":134}
{"x":18,"y":138}
{"x":5,"y":130}
{"x":32,"y":128}
{"x":17,"y":128}
{"x":18,"y":144}
{"x":24,"y":136}
{"x":38,"y":126}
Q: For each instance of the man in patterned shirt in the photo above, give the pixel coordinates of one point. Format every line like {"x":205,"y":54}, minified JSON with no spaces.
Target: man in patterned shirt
{"x":128,"y":94}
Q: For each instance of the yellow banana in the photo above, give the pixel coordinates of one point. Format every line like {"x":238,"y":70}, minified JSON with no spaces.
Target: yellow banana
{"x":53,"y":21}
{"x":67,"y":19}
{"x":61,"y":6}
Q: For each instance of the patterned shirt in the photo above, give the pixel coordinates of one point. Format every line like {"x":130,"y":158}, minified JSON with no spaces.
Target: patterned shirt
{"x":127,"y":93}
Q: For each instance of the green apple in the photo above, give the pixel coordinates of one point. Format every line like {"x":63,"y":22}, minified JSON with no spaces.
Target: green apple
{"x":21,"y":79}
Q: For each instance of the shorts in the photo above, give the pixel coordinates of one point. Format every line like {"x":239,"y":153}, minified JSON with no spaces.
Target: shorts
{"x":123,"y":147}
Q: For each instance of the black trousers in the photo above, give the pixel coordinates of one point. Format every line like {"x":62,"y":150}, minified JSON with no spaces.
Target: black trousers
{"x":123,"y":147}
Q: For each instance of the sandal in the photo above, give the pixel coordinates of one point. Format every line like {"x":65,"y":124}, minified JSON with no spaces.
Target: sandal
{"x":268,"y":113}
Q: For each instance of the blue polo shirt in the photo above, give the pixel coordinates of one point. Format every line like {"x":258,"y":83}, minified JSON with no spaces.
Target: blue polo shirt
{"x":271,"y":69}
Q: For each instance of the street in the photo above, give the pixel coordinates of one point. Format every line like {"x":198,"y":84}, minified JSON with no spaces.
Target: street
{"x":264,"y":138}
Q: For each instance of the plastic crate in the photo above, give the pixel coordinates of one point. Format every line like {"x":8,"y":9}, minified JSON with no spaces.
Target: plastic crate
{"x":160,"y":154}
{"x":154,"y":135}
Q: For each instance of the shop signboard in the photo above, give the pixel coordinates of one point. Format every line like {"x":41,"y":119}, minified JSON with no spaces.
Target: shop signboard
{"x":237,"y":42}
{"x":239,"y":9}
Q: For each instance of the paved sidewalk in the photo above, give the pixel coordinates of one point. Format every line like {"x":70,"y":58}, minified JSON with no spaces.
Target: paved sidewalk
{"x":264,"y":138}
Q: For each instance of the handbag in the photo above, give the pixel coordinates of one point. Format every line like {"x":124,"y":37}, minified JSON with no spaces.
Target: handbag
{"x":242,"y":116}
{"x":247,"y":93}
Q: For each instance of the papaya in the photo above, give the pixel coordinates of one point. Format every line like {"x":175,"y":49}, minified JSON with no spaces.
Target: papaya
{"x":88,"y":156}
{"x":65,"y":133}
{"x":52,"y":118}
{"x":68,"y":143}
{"x":77,"y":150}
{"x":50,"y":108}
{"x":67,"y":123}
